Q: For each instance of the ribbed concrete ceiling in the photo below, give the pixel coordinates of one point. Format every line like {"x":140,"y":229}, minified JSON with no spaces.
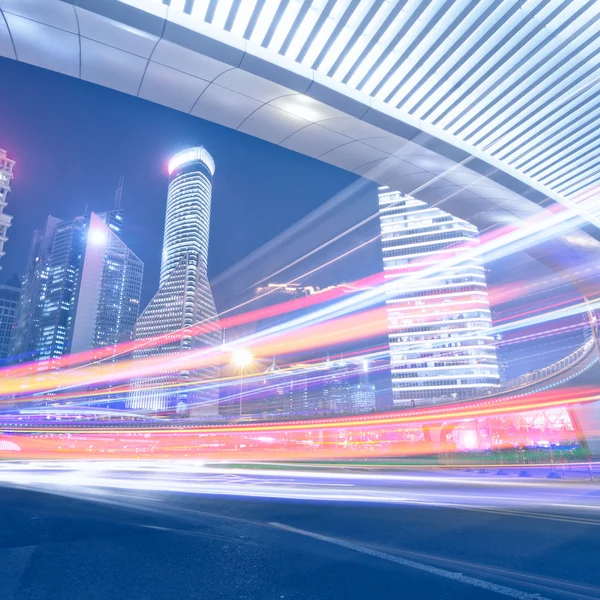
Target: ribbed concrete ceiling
{"x":516,"y":78}
{"x":485,"y":107}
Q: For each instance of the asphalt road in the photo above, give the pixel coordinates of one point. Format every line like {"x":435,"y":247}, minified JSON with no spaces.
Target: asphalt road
{"x":60,"y":539}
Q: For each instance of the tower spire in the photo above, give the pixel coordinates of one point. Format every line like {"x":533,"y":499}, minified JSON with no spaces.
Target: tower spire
{"x":119,"y":193}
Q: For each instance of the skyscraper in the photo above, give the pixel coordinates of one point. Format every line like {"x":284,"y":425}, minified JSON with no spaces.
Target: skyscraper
{"x":10,"y":292}
{"x":81,"y":291}
{"x":64,"y":267}
{"x":109,"y":291}
{"x":6,"y":175}
{"x":184,"y":297}
{"x":24,"y":342}
{"x":439,"y":321}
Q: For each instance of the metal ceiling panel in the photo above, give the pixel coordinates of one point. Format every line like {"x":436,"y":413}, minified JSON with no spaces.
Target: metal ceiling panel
{"x":56,"y":14}
{"x":224,"y":106}
{"x":353,"y":155}
{"x":44,"y":46}
{"x":251,"y":85}
{"x":101,"y":29}
{"x":171,"y":88}
{"x":272,"y":124}
{"x":314,"y":140}
{"x":190,"y":62}
{"x":112,"y":67}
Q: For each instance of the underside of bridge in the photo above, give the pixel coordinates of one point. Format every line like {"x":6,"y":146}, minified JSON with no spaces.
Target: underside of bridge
{"x":482,"y":108}
{"x":173,"y":53}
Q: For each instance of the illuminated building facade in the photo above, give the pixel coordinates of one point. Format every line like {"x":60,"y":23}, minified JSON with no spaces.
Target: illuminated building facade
{"x":363,"y":396}
{"x":64,"y":265}
{"x":6,"y":174}
{"x":23,"y":346}
{"x":109,"y":291}
{"x":184,"y":298}
{"x":81,"y":291}
{"x":439,"y":321}
{"x":10,"y":292}
{"x":335,"y":387}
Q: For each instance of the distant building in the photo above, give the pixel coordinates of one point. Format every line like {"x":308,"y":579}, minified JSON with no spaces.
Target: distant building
{"x":109,"y":291}
{"x":363,"y":397}
{"x":184,"y":298}
{"x":10,"y":292}
{"x":25,"y":337}
{"x":275,"y":390}
{"x":299,"y":396}
{"x":335,"y":387}
{"x":6,"y":175}
{"x":81,"y":291}
{"x":441,"y":344}
{"x":113,"y":219}
{"x":64,"y":267}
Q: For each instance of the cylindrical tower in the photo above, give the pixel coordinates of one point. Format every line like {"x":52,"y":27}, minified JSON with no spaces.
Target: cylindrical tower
{"x":188,"y":209}
{"x":184,"y":301}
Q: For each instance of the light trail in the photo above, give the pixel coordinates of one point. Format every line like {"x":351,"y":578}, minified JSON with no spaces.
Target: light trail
{"x":113,"y":479}
{"x":446,"y":260}
{"x":346,"y":317}
{"x":350,"y":328}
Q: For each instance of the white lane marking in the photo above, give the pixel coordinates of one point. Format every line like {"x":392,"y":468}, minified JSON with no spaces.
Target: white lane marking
{"x":460,"y":577}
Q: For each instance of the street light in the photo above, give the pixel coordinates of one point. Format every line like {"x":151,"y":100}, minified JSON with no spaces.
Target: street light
{"x":242,"y":358}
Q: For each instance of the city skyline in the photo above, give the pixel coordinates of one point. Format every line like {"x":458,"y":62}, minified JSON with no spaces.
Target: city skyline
{"x":116,"y":226}
{"x":251,"y":161}
{"x":299,"y":299}
{"x":135,"y":139}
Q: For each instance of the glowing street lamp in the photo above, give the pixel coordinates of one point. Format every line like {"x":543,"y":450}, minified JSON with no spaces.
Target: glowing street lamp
{"x":241,"y":357}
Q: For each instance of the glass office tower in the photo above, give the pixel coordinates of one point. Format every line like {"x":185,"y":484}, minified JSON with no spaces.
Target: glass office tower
{"x":25,"y":336}
{"x":184,"y":298}
{"x":109,"y":289}
{"x":439,"y":321}
{"x":81,"y":291}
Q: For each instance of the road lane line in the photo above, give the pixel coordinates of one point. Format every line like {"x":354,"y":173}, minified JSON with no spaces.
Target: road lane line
{"x":460,"y":577}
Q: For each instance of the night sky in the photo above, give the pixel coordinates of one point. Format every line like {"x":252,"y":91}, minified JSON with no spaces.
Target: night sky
{"x":72,"y":141}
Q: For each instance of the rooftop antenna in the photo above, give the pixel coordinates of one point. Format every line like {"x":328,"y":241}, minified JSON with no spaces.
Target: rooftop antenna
{"x":119,"y":193}
{"x":273,"y":367}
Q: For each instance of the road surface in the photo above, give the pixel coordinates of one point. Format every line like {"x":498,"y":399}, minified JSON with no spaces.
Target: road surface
{"x":119,"y":531}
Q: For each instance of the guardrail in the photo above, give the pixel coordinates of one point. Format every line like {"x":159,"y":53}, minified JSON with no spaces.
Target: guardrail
{"x":541,"y":375}
{"x":510,"y":457}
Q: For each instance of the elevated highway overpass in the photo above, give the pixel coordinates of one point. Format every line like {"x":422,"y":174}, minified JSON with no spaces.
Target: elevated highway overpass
{"x":485,"y":108}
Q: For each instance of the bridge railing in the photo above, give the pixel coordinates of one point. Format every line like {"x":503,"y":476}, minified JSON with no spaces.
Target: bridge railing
{"x":557,"y":368}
